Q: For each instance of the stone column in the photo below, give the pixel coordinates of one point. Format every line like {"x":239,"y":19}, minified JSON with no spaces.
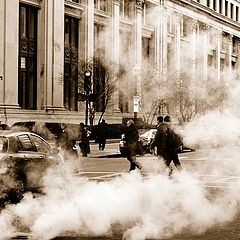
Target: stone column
{"x":238,"y":61}
{"x":115,"y":48}
{"x":217,"y":6}
{"x":223,"y":7}
{"x":211,"y":4}
{"x":205,"y":52}
{"x":9,"y":15}
{"x":53,"y":49}
{"x":204,"y":2}
{"x":158,"y":24}
{"x":229,"y":10}
{"x":234,"y":12}
{"x":178,"y":108}
{"x":89,"y":29}
{"x":164,"y":45}
{"x":194,"y":44}
{"x":230,"y":49}
{"x":218,"y":55}
{"x":138,"y":44}
{"x":178,"y":45}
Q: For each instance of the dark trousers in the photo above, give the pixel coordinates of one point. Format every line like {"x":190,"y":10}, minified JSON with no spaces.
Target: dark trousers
{"x":173,"y":156}
{"x":84,"y":147}
{"x":170,"y":156}
{"x":133,"y":162}
{"x":102,"y":144}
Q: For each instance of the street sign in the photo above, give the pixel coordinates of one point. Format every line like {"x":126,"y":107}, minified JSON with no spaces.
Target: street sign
{"x":136,"y":100}
{"x":136,"y":70}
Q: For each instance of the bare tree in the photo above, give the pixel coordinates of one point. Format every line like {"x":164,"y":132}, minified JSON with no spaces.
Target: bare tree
{"x":181,"y":91}
{"x":104,"y":81}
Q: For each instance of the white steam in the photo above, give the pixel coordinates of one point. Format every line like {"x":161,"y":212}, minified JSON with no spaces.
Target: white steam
{"x":143,"y":208}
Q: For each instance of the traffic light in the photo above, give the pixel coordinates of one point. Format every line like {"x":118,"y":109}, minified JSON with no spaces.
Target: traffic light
{"x":87,"y":81}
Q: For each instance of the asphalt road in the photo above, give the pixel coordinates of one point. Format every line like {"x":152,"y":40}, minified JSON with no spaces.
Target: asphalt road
{"x":210,"y":169}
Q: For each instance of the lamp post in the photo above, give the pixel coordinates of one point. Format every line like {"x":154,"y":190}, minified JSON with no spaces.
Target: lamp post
{"x":136,"y":97}
{"x":87,"y":89}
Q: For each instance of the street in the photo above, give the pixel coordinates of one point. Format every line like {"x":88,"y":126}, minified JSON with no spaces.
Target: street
{"x":199,"y":203}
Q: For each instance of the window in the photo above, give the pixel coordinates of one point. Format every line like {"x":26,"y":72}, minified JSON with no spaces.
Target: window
{"x":170,"y":25}
{"x":3,"y":144}
{"x":208,"y":3}
{"x":41,"y":145}
{"x":220,"y":6}
{"x":25,"y":143}
{"x":27,"y":78}
{"x":146,"y":49}
{"x":237,"y":13}
{"x":125,"y":8}
{"x":214,"y":5}
{"x":71,"y":40}
{"x":101,"y":5}
{"x":231,"y":10}
{"x":226,"y":8}
{"x":184,"y":26}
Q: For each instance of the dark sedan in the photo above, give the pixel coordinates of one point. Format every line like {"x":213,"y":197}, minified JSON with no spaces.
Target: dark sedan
{"x":24,"y":158}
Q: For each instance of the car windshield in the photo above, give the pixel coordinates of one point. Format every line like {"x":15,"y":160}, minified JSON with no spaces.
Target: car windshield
{"x":149,"y":134}
{"x":3,"y":144}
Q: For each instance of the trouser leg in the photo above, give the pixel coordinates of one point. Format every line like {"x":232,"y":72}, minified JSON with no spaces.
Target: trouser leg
{"x":176,"y":161}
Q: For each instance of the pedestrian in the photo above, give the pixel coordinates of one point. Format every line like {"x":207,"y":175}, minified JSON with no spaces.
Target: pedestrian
{"x":131,"y":138}
{"x":102,"y":132}
{"x":165,"y":148}
{"x":172,"y":144}
{"x":83,"y":140}
{"x":67,"y":142}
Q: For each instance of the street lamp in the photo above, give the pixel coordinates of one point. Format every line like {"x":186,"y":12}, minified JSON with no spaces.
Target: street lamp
{"x":136,"y":98}
{"x":87,"y":89}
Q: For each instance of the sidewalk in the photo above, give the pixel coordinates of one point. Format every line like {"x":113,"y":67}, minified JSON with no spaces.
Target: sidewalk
{"x":111,"y":149}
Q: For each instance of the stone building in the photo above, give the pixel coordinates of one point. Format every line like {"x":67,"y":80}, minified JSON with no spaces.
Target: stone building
{"x":42,"y":42}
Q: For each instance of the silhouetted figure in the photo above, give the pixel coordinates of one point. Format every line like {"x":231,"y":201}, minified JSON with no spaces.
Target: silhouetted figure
{"x":102,"y":132}
{"x":83,"y":140}
{"x":165,"y":148}
{"x":132,"y":137}
{"x":67,"y":141}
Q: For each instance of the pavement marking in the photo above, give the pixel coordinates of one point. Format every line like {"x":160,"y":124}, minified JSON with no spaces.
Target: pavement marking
{"x":208,"y":180}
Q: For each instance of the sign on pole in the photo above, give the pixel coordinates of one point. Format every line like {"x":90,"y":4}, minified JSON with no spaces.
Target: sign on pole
{"x":135,"y":103}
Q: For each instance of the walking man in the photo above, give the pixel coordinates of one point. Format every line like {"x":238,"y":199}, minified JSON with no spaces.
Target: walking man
{"x":83,"y":140}
{"x":102,"y":132}
{"x":132,"y":137}
{"x":165,"y":146}
{"x":67,"y":141}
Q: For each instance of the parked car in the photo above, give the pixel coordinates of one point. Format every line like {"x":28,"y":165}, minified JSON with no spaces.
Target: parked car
{"x":123,"y":147}
{"x":24,"y":158}
{"x":144,"y":142}
{"x":146,"y":139}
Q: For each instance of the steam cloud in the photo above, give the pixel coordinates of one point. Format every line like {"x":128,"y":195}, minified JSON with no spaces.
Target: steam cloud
{"x":144,"y":208}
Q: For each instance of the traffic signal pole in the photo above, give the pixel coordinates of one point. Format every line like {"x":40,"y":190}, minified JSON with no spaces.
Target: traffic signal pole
{"x":87,"y":89}
{"x":86,"y":113}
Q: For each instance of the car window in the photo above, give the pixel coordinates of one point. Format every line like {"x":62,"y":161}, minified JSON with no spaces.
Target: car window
{"x":24,"y":143}
{"x":3,"y":144}
{"x":40,"y":144}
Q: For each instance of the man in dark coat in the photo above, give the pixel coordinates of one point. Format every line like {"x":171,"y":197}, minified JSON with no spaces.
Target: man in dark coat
{"x":131,"y":138}
{"x":170,"y":146}
{"x":165,"y":148}
{"x":67,"y":141}
{"x":83,"y":140}
{"x":102,"y":134}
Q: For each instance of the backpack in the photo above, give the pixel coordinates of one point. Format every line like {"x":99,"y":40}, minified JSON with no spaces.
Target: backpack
{"x":173,"y":140}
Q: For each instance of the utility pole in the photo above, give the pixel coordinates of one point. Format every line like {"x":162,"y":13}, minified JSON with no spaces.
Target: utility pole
{"x":87,"y":89}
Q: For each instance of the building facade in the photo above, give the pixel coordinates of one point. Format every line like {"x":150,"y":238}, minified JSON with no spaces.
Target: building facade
{"x":42,"y":42}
